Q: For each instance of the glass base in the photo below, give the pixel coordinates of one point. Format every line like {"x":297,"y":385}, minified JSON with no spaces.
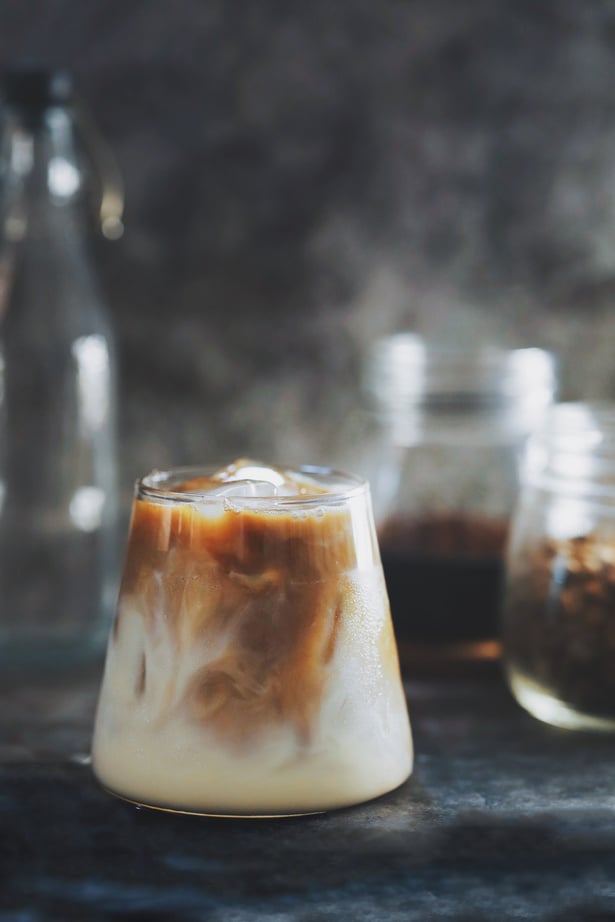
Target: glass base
{"x":540,"y":703}
{"x":212,"y":814}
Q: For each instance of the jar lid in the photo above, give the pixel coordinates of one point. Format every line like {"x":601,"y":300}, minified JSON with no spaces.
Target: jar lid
{"x":404,"y":370}
{"x":574,"y":451}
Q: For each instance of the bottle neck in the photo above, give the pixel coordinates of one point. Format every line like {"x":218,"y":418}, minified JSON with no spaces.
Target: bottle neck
{"x":41,"y":174}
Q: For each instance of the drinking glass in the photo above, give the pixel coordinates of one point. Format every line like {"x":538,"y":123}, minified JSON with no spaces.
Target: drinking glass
{"x":252,"y":668}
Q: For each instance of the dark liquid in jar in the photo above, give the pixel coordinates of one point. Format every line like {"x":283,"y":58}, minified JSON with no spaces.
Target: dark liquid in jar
{"x":444,"y":576}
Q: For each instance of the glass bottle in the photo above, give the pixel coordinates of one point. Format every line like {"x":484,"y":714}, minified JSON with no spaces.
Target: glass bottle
{"x":439,"y":439}
{"x":558,"y":618}
{"x":57,"y":431}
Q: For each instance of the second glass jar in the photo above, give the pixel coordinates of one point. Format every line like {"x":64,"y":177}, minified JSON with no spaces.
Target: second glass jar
{"x":440,"y":439}
{"x":558,"y":619}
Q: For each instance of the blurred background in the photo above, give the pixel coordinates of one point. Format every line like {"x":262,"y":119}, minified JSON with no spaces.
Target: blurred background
{"x":302,"y":177}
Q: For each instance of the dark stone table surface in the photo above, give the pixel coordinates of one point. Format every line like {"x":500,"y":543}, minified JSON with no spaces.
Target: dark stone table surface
{"x":504,"y":818}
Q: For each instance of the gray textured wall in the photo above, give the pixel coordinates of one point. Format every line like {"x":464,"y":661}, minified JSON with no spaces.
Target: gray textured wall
{"x":303,"y":176}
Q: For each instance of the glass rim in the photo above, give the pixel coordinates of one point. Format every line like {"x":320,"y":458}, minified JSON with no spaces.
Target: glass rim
{"x":157,"y":485}
{"x":579,"y":427}
{"x":574,"y":451}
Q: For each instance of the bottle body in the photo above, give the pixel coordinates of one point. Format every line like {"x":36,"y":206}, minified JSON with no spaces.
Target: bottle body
{"x":446,"y":432}
{"x":558,"y":618}
{"x":58,"y":523}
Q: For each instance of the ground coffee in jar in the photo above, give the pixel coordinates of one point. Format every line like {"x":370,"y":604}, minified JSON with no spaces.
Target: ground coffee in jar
{"x":560,"y":634}
{"x":558,"y":626}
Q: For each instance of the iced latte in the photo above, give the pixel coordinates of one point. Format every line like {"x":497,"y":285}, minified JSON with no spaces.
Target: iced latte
{"x":252,"y":668}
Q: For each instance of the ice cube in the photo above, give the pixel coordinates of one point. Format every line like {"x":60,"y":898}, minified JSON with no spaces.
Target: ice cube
{"x":245,"y":489}
{"x":211,"y":510}
{"x":286,"y":490}
{"x":258,"y":473}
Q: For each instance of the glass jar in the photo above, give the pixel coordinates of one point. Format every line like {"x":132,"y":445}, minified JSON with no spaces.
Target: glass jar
{"x":440,"y":441}
{"x":558,"y":619}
